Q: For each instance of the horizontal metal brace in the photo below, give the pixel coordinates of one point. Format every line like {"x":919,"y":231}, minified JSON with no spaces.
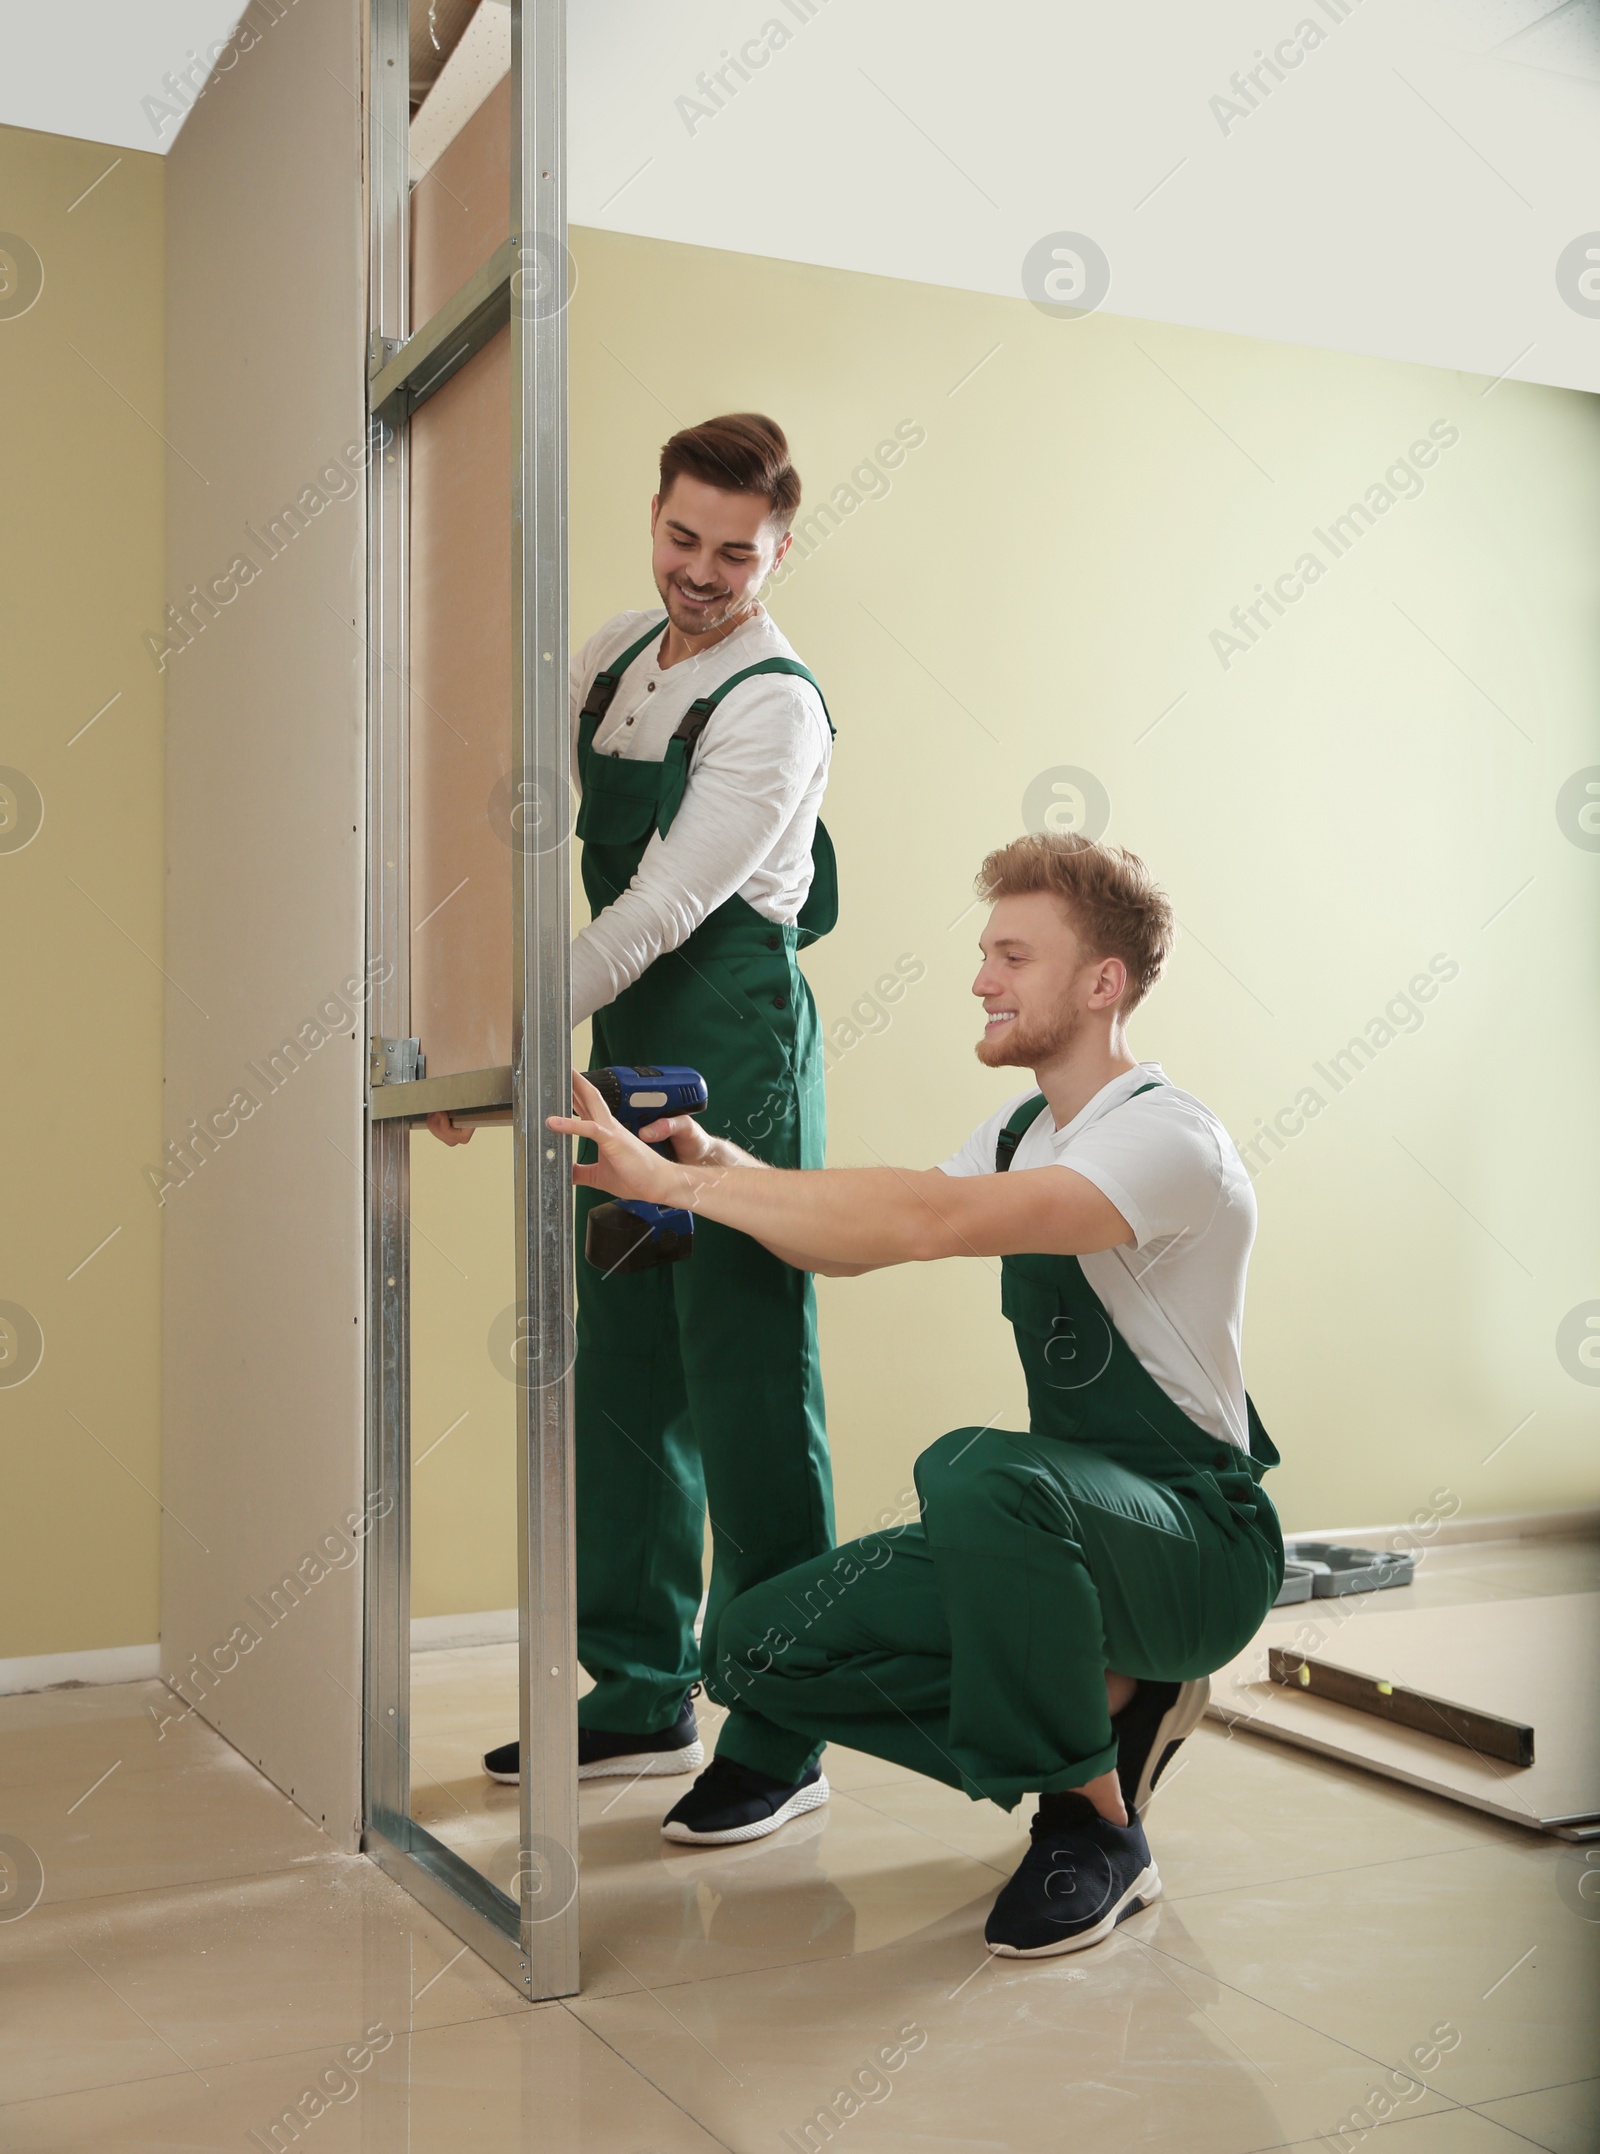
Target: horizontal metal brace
{"x":467,"y":1089}
{"x":452,"y":1890}
{"x":471,"y":315}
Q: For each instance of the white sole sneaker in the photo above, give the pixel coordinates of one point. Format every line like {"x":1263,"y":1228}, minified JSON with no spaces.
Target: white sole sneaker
{"x":1181,"y":1718}
{"x":646,"y":1764}
{"x":803,"y":1799}
{"x":641,"y":1765}
{"x":1145,"y":1888}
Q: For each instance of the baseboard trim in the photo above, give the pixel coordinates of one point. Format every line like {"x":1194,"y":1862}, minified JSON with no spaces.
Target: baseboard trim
{"x":487,"y":1626}
{"x":1576,"y":1523}
{"x":55,"y":1671}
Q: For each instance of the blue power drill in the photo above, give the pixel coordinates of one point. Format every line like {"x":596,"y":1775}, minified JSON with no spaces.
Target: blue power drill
{"x":626,"y":1235}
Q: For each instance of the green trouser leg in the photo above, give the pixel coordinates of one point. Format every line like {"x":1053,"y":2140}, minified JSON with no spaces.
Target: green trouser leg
{"x":749,"y":1329}
{"x":698,"y":1390}
{"x":851,"y":1647}
{"x":975,"y":1648}
{"x":640,"y":1499}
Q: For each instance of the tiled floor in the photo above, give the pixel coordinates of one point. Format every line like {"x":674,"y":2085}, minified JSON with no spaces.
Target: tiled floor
{"x":201,"y":1955}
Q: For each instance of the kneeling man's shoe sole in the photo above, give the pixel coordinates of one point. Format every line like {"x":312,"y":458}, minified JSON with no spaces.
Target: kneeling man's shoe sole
{"x":1081,"y":1876}
{"x":606,"y":1755}
{"x":730,"y":1803}
{"x":646,"y":1764}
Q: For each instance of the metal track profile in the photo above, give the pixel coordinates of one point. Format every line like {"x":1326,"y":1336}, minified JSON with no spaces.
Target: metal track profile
{"x":532,"y":1939}
{"x":463,"y":1091}
{"x":387,"y":1624}
{"x":406,"y":378}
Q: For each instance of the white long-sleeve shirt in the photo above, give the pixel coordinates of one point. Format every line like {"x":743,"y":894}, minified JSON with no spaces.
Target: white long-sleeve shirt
{"x":749,"y":810}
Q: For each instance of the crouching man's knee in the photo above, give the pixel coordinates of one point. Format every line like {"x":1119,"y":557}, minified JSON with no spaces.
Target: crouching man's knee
{"x":751,"y":1642}
{"x":968,"y":1470}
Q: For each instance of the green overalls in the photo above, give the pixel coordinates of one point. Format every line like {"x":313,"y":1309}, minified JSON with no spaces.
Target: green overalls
{"x":698,"y":1386}
{"x":973,"y":1647}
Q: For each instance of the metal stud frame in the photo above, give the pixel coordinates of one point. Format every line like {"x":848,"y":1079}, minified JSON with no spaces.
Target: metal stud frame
{"x":533,"y":1938}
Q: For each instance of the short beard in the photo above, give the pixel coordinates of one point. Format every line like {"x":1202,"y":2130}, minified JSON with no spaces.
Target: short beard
{"x":1024,"y":1047}
{"x":706,"y":626}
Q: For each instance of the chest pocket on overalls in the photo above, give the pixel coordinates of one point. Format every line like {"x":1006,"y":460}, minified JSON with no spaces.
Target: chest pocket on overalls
{"x":1078,"y":1350}
{"x":1073,"y":1342}
{"x":619,"y":801}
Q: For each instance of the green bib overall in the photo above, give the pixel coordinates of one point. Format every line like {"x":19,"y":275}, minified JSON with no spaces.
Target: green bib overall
{"x":973,"y":1647}
{"x":698,"y":1387}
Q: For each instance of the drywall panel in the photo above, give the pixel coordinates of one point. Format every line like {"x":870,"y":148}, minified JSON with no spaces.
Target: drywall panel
{"x":461,"y":210}
{"x":465,"y":811}
{"x":263,"y":1283}
{"x":1536,"y":1661}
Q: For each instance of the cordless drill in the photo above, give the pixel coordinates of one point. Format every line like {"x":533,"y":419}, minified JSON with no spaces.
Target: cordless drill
{"x":624,"y":1234}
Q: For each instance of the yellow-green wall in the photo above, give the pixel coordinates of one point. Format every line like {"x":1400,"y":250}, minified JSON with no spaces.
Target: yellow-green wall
{"x":82,"y":472}
{"x":1371,"y":785}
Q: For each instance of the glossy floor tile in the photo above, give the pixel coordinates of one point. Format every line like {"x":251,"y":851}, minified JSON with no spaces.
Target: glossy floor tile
{"x":142,"y":1983}
{"x":67,"y":1738}
{"x":1464,"y":1571}
{"x":930,"y":2042}
{"x":844,"y":1880}
{"x":1452,"y":2131}
{"x":1478,"y":1939}
{"x":1565,"y":2120}
{"x":538,"y":2079}
{"x":1337,"y":1960}
{"x":218,"y":1818}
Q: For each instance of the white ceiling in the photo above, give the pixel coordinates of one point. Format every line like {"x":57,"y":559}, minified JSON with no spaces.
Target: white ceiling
{"x":1405,"y":190}
{"x":85,"y":67}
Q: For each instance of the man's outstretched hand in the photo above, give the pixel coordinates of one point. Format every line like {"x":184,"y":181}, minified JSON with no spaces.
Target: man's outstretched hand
{"x":446,"y":1131}
{"x":627,"y":1167}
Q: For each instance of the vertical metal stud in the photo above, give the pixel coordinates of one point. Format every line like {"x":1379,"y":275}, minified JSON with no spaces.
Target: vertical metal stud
{"x":387,"y":1656}
{"x":541,"y":1009}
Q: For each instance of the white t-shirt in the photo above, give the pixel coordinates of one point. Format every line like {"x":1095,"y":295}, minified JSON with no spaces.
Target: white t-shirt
{"x":749,"y":811}
{"x":1177,"y":1293}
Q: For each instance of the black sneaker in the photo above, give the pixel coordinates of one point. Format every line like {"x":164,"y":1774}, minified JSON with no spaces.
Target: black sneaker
{"x":605,"y":1754}
{"x":1080,"y":1877}
{"x":1149,"y":1729}
{"x":734,"y":1802}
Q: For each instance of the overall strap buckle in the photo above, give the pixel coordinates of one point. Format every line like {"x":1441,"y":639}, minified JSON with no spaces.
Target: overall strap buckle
{"x":609,"y":679}
{"x":601,"y":691}
{"x":1005,"y":1145}
{"x":693,"y":723}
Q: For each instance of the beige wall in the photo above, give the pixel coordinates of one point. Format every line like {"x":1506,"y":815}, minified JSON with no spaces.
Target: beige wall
{"x":262,"y":1280}
{"x":1370,"y":786}
{"x":81,"y":473}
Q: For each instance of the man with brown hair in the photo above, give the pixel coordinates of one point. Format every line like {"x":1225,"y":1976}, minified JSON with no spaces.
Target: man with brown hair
{"x":1050,"y":1624}
{"x":700,"y":747}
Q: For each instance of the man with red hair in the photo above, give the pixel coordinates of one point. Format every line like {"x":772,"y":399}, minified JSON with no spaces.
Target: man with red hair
{"x":1050,"y":1624}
